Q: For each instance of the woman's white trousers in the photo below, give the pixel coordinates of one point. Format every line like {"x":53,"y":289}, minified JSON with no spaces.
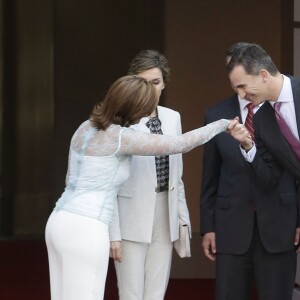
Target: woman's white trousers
{"x":78,"y":252}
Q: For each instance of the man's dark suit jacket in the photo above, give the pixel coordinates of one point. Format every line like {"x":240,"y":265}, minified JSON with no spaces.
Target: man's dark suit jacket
{"x":269,"y":136}
{"x":270,"y":140}
{"x":232,"y":192}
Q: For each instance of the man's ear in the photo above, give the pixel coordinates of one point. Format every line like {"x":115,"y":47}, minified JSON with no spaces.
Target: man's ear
{"x":264,"y":74}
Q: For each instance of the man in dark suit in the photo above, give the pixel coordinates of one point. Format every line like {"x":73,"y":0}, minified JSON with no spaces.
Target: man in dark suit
{"x":248,"y":210}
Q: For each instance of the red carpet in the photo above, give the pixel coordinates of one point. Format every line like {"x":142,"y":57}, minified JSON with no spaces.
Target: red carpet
{"x":24,"y":276}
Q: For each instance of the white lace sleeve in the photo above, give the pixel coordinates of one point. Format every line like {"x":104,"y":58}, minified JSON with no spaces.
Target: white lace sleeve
{"x":141,"y":143}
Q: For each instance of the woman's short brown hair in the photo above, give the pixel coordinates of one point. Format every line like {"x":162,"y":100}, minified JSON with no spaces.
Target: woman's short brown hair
{"x":128,"y":100}
{"x":149,"y":59}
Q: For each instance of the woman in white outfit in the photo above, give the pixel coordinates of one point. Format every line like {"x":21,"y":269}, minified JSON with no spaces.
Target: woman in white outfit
{"x":99,"y":163}
{"x":150,"y":202}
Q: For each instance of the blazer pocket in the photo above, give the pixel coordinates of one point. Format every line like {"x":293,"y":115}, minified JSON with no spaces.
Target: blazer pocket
{"x":288,"y":199}
{"x":223,"y":203}
{"x":125,"y":192}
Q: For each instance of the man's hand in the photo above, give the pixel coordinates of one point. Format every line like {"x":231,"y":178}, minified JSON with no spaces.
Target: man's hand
{"x":240,"y":133}
{"x":209,"y":245}
{"x":297,"y":239}
{"x":115,"y":251}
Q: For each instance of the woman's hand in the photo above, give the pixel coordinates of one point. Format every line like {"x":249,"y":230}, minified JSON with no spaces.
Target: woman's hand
{"x":115,"y":251}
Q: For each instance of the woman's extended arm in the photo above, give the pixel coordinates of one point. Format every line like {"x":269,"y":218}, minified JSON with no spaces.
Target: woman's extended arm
{"x":140,"y":143}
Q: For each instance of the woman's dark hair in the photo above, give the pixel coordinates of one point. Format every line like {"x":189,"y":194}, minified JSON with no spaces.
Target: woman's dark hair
{"x":128,"y":100}
{"x":148,"y":59}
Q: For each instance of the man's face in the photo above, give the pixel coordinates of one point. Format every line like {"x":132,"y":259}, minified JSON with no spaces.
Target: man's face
{"x":249,"y":87}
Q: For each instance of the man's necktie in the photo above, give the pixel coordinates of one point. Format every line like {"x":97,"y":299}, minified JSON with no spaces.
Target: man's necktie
{"x":162,"y":162}
{"x":286,"y":132}
{"x":249,"y":120}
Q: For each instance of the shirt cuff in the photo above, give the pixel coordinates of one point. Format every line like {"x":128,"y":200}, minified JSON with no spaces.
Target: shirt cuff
{"x":249,"y":155}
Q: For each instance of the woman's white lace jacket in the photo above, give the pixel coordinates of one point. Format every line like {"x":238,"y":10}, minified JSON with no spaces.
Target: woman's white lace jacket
{"x":99,"y":162}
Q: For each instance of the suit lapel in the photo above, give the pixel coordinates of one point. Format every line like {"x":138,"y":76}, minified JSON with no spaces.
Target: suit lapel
{"x":141,"y":126}
{"x":229,"y":110}
{"x":163,"y":118}
{"x":271,"y":136}
{"x":270,"y":124}
{"x":150,"y":159}
{"x":234,"y":109}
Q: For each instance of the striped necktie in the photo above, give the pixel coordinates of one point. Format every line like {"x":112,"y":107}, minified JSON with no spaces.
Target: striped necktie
{"x":249,"y":120}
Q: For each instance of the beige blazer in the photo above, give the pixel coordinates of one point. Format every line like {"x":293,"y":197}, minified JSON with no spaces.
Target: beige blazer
{"x":134,"y":210}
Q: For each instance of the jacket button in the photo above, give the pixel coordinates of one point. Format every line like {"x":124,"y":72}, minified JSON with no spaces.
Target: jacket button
{"x":172,"y":188}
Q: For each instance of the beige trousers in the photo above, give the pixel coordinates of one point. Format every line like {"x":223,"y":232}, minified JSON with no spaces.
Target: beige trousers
{"x":144,"y":271}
